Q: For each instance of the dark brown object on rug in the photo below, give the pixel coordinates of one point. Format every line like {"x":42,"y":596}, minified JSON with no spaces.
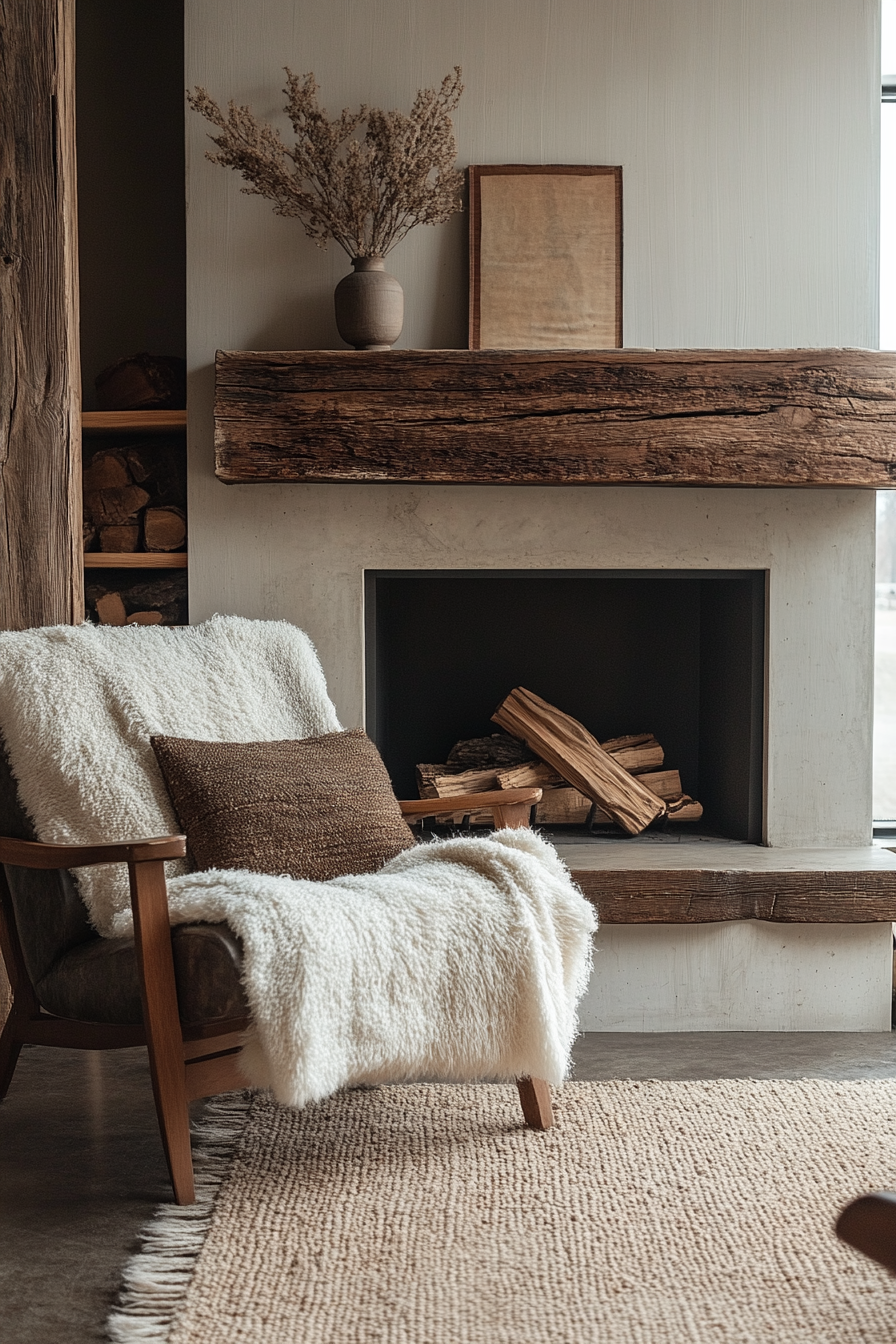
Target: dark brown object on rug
{"x":318,"y":808}
{"x":869,"y":1224}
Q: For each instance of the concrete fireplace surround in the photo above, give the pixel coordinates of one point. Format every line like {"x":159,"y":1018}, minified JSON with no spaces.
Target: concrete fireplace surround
{"x":817,"y":547}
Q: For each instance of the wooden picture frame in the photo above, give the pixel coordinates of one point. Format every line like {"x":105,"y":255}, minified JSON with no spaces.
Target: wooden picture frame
{"x":545,"y":257}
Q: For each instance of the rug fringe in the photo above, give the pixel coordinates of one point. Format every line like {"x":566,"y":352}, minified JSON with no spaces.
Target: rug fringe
{"x":156,"y":1279}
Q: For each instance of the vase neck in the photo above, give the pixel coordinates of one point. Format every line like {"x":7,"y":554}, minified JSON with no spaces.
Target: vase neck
{"x":369,"y":263}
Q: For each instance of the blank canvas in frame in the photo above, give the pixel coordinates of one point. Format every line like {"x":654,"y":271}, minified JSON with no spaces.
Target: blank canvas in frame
{"x":545,"y":257}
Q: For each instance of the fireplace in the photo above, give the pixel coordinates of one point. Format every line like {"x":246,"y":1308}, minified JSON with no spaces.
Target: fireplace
{"x":674,"y":652}
{"x":457,"y":516}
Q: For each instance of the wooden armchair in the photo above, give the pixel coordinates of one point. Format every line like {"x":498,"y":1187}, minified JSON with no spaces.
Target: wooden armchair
{"x":175,"y":990}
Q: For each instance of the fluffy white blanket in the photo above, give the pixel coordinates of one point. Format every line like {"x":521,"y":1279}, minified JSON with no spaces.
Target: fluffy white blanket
{"x":458,"y":960}
{"x":78,"y":705}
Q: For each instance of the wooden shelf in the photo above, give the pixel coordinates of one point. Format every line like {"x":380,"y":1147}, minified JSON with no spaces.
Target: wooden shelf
{"x":698,"y":882}
{"x":548,"y":417}
{"x":132,"y":422}
{"x":135,"y":560}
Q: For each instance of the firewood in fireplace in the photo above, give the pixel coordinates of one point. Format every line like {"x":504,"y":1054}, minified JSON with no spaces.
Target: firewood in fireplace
{"x":121,"y":537}
{"x":426,"y":773}
{"x":635,"y":753}
{"x":576,"y":755}
{"x":564,"y":807}
{"x":531,"y":773}
{"x":164,"y":529}
{"x":487,"y":753}
{"x":437,"y":781}
{"x":665,"y":784}
{"x":683,"y":808}
{"x":468,"y":781}
{"x":144,"y":618}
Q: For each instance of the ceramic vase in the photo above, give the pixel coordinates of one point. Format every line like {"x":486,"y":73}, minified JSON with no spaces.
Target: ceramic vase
{"x":369,"y":306}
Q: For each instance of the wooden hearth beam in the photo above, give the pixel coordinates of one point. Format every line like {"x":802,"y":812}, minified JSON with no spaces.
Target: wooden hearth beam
{"x":700,"y":882}
{"x":605,"y":417}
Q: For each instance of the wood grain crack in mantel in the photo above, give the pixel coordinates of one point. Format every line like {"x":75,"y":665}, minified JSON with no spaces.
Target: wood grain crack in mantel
{"x":599,"y":417}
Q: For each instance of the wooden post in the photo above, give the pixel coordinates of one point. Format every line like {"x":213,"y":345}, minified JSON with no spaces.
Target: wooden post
{"x":41,"y":572}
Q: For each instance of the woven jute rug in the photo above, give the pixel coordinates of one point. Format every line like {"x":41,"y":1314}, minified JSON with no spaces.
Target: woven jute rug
{"x":652,"y":1212}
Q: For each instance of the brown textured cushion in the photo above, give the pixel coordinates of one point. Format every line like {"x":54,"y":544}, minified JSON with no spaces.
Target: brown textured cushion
{"x":318,"y":808}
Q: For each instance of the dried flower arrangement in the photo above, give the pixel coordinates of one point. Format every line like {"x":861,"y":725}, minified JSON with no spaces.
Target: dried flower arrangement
{"x":365,"y":194}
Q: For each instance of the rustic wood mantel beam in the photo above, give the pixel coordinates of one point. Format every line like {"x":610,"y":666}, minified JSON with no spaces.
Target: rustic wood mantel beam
{"x":598,"y":417}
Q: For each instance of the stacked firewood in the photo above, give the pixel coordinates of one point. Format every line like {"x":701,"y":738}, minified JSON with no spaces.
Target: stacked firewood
{"x":583,"y":781}
{"x":126,"y":597}
{"x":135,"y":498}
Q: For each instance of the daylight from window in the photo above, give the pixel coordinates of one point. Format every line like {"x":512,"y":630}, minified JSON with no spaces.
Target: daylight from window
{"x":885,"y":621}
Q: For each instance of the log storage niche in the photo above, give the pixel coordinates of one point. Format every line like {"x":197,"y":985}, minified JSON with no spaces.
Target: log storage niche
{"x":135,"y":520}
{"x":595,"y":417}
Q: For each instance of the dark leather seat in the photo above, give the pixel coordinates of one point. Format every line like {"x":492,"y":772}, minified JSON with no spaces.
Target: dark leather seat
{"x":77,"y":974}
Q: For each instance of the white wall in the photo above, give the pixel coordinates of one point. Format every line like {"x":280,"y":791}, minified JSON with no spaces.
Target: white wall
{"x":747,"y":132}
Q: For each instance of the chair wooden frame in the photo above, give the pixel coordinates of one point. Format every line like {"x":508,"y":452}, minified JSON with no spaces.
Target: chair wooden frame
{"x":185,"y":1063}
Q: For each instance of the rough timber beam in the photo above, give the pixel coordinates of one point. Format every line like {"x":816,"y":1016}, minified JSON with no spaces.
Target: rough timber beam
{"x":600,"y":417}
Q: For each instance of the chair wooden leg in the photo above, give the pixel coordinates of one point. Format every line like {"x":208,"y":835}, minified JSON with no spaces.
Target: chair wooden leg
{"x":535,"y":1096}
{"x":869,"y":1224}
{"x":10,"y":1047}
{"x":161,"y":1021}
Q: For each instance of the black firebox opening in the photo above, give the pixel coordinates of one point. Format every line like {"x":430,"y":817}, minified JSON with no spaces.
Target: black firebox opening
{"x":677,"y":653}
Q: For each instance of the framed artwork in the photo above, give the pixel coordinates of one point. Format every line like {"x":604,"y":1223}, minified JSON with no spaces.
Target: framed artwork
{"x":545,"y":257}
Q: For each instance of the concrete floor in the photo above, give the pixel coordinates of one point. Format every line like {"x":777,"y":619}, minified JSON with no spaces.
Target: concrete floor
{"x":81,"y":1166}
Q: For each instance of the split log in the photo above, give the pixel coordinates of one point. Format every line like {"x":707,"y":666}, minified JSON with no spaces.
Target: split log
{"x":106,"y":470}
{"x":564,"y":807}
{"x":121,"y":537}
{"x":637,"y":752}
{"x":144,"y":618}
{"x":158,"y":465}
{"x":468,"y":781}
{"x":164,"y":529}
{"x":120,"y":504}
{"x":568,"y":746}
{"x":665,"y":784}
{"x":436,"y":781}
{"x":110,"y":609}
{"x":684,"y":809}
{"x":484,"y":753}
{"x":425,"y":775}
{"x":532,"y":773}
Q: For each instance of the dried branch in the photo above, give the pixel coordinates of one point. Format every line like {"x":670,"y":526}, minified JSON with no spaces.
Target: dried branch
{"x":365,"y":194}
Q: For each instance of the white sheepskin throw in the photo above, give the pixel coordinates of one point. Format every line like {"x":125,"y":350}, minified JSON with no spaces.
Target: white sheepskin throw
{"x":458,"y":960}
{"x":78,"y":705}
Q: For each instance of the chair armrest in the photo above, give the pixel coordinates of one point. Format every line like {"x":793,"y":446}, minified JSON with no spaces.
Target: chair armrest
{"x":509,"y":807}
{"x":40,"y":854}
